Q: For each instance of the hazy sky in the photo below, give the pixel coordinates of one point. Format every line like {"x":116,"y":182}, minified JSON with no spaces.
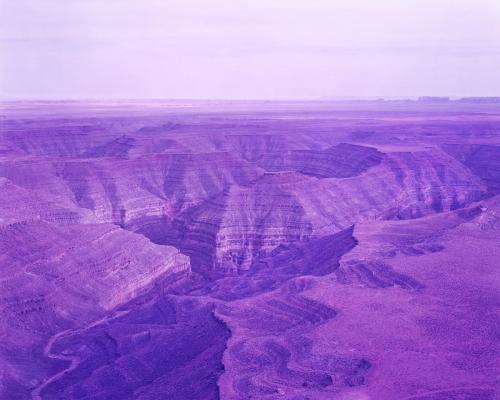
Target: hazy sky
{"x":248,"y":49}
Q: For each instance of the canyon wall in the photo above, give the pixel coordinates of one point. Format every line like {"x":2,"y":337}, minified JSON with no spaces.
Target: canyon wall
{"x":249,"y":251}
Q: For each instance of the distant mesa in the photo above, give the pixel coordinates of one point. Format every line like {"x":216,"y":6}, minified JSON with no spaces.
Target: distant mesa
{"x":495,"y":99}
{"x":440,"y":99}
{"x":433,"y":99}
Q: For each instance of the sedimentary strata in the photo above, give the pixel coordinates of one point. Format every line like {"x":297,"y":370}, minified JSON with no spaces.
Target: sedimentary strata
{"x":249,"y":251}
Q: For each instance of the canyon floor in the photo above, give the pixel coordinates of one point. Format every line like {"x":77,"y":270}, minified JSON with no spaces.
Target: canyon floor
{"x":249,"y":250}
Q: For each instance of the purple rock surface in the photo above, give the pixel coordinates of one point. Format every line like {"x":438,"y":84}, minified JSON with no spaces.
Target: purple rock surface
{"x":249,"y":250}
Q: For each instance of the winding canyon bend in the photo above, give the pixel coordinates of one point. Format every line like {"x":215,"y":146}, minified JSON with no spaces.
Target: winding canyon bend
{"x":249,"y":250}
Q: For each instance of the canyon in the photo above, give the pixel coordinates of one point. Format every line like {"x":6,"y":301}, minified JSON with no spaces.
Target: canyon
{"x":249,"y":250}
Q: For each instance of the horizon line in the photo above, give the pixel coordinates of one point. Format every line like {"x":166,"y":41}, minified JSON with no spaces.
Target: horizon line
{"x":443,"y":98}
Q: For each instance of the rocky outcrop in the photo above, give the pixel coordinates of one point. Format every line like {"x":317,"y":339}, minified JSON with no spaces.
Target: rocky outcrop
{"x":483,"y":160}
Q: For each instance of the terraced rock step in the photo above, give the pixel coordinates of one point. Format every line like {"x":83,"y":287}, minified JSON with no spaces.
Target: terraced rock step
{"x":341,"y":161}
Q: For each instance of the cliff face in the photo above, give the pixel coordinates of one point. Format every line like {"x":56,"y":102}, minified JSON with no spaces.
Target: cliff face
{"x":482,"y":159}
{"x":245,"y":252}
{"x":100,"y":263}
{"x":224,"y":211}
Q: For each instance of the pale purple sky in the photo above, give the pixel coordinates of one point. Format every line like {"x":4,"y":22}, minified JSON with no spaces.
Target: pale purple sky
{"x":255,"y":49}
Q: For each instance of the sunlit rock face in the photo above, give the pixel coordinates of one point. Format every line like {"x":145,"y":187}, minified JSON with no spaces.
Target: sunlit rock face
{"x":249,"y":251}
